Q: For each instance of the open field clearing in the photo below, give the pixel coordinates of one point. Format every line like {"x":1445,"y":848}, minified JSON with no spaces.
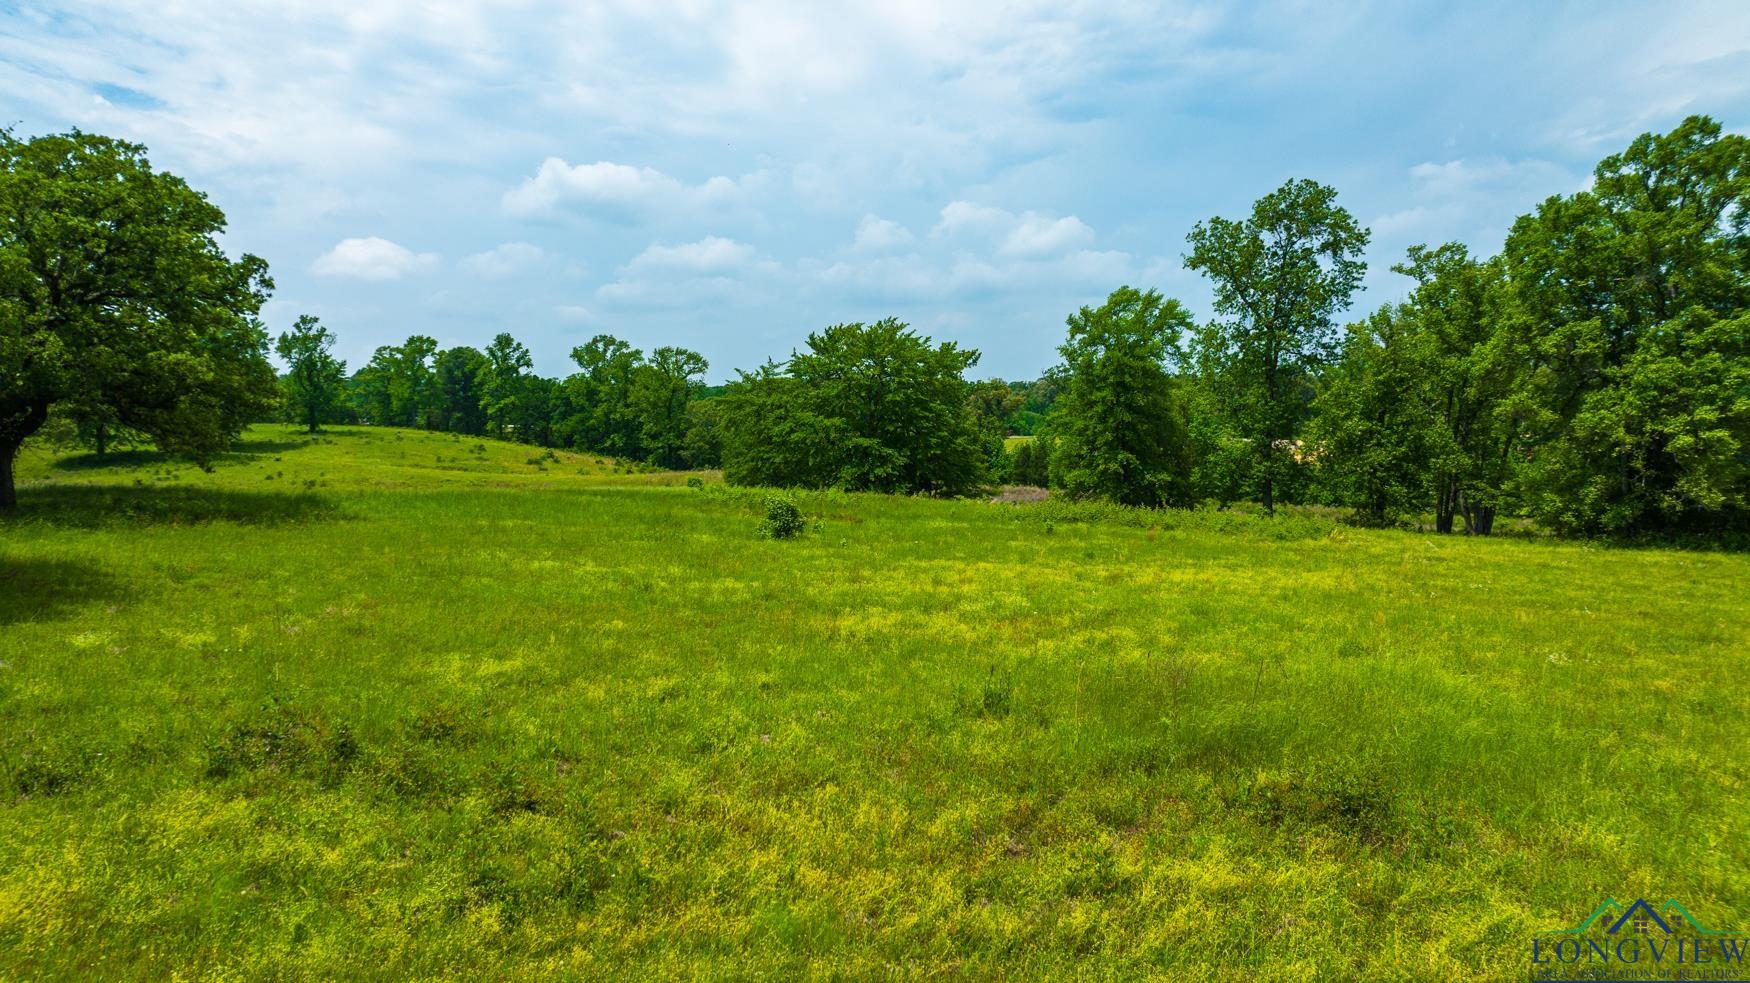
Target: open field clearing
{"x":432,"y":705}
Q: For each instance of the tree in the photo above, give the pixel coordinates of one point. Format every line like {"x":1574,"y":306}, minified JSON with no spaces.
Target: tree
{"x":1280,"y":276}
{"x":501,"y":384}
{"x":1467,"y":373}
{"x":116,"y":296}
{"x":531,"y":414}
{"x":459,"y":381}
{"x":1629,"y":301}
{"x":1373,"y":435}
{"x":702,"y":447}
{"x":397,"y":388}
{"x":315,"y":380}
{"x":902,"y":403}
{"x":600,"y":397}
{"x":993,"y":403}
{"x":866,"y":407}
{"x":1120,"y":427}
{"x":659,"y":395}
{"x":772,"y":436}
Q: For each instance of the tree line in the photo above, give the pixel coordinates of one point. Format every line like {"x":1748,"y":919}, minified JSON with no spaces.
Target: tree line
{"x":1594,"y":376}
{"x":619,"y":402}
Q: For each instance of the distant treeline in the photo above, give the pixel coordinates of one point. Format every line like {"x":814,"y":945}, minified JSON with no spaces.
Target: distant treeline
{"x":652,"y":408}
{"x":1593,"y":377}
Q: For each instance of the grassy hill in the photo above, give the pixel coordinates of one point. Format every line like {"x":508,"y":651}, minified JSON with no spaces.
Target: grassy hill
{"x":411,"y":704}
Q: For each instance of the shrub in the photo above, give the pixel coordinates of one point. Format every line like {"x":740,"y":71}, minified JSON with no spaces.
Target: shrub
{"x":783,"y":519}
{"x":695,"y":482}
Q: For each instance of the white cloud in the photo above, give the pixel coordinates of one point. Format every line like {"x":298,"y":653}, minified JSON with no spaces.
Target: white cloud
{"x":712,"y":270}
{"x":712,"y":254}
{"x":609,"y":187}
{"x":964,"y":216}
{"x":876,"y":234}
{"x":372,"y":258}
{"x":1040,"y":235}
{"x":1030,"y":234}
{"x":506,"y":260}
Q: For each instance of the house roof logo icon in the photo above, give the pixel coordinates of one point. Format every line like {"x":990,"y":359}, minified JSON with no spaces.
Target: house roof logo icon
{"x":1641,"y":917}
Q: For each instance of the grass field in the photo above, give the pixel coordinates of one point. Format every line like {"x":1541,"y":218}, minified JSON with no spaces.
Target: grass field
{"x":402,"y":704}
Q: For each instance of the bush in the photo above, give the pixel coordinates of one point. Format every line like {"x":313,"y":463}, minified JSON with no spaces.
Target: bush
{"x":783,"y":519}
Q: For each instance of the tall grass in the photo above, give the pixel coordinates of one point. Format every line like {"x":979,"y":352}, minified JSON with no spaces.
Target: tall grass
{"x":447,"y":712}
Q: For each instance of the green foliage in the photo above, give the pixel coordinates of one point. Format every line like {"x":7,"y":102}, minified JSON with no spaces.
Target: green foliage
{"x":460,"y":388}
{"x":993,"y":403}
{"x":702,"y":446}
{"x":502,"y":383}
{"x":866,"y":408}
{"x":1280,"y":276}
{"x":315,"y":380}
{"x":783,"y":519}
{"x":1119,"y":425}
{"x":117,"y":299}
{"x":772,"y":436}
{"x":1631,"y":297}
{"x":660,"y":393}
{"x":600,"y":397}
{"x":397,"y":387}
{"x":1374,"y":436}
{"x":1028,"y":462}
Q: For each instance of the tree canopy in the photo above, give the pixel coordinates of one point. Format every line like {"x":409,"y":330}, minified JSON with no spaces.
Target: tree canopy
{"x":1280,"y":276}
{"x":1119,"y":424}
{"x":116,"y":297}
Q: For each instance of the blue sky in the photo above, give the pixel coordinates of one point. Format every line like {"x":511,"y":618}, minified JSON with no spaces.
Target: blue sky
{"x":728,"y":177}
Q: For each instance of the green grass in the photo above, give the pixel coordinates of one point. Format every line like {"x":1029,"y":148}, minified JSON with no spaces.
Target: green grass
{"x":402,"y":704}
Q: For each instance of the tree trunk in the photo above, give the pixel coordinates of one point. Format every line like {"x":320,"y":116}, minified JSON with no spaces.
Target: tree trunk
{"x":1269,"y":498}
{"x":102,"y":439}
{"x":1445,"y":505}
{"x":1485,"y":521}
{"x":13,"y":430}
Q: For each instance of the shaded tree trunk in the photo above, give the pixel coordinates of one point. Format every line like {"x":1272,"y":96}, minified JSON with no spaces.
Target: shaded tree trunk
{"x":1485,"y":521}
{"x":13,"y":430}
{"x":102,"y":439}
{"x":1446,"y":505}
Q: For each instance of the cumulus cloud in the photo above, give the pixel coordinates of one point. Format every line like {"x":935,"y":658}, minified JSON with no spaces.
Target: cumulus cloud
{"x":504,"y":261}
{"x":1029,"y":234}
{"x":372,"y":258}
{"x":607,"y":187}
{"x":876,"y":234}
{"x":712,"y":269}
{"x":712,"y":254}
{"x":1039,"y":235}
{"x":959,"y":217}
{"x":973,"y":250}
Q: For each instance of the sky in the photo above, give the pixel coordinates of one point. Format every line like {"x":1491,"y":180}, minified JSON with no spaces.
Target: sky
{"x":729,"y":177}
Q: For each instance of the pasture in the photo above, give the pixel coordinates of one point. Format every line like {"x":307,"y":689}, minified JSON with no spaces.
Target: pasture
{"x":444,"y":706}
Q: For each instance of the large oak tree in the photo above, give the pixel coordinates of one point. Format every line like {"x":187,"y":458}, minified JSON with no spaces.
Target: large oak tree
{"x":116,"y":298}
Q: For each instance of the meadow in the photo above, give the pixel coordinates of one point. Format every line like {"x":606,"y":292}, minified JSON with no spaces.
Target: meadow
{"x":400,"y":704}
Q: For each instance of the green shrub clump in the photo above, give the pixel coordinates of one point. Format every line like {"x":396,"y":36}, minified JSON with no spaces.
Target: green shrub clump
{"x":783,"y":519}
